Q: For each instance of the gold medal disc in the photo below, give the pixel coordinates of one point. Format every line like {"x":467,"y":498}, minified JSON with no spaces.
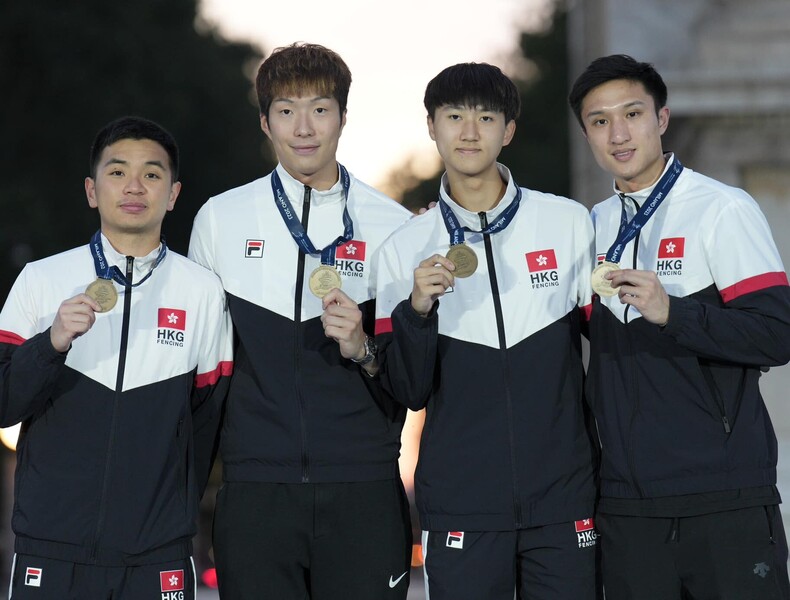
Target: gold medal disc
{"x":323,"y":280}
{"x":464,"y":259}
{"x":600,"y":285}
{"x":104,"y":292}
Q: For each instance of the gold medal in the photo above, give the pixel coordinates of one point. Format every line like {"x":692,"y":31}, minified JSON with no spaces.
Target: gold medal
{"x":600,"y":285}
{"x":104,"y":292}
{"x":323,"y":280}
{"x":464,"y":259}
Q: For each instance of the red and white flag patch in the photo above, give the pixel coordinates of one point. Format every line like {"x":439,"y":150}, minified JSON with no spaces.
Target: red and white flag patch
{"x":172,"y":318}
{"x":672,"y":247}
{"x":171,"y":581}
{"x":541,"y":260}
{"x":351,"y":250}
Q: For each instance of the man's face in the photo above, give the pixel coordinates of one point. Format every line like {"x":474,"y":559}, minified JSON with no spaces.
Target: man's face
{"x":469,"y":139}
{"x":305,"y":131}
{"x":624,"y":132}
{"x":133,"y":188}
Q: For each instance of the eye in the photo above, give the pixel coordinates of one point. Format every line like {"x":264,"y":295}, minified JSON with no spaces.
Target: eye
{"x":115,"y":173}
{"x":321,"y":110}
{"x":285,"y":111}
{"x":599,"y":122}
{"x":454,"y":117}
{"x":487,"y":119}
{"x":633,"y":113}
{"x":152,"y":176}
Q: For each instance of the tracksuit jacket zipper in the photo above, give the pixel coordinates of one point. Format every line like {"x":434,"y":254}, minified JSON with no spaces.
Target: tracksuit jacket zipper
{"x":500,"y":322}
{"x":297,"y":339}
{"x":127,"y":309}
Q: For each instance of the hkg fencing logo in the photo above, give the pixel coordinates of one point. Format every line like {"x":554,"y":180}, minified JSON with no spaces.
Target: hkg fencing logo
{"x":670,"y":257}
{"x":172,"y":323}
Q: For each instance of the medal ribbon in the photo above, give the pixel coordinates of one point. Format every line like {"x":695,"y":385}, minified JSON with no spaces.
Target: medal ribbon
{"x":628,"y":230}
{"x":295,"y":226}
{"x":105,"y":271}
{"x":456,"y":231}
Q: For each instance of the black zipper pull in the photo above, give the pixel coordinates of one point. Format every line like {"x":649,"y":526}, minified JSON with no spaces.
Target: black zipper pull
{"x":483,"y":219}
{"x":726,"y":421}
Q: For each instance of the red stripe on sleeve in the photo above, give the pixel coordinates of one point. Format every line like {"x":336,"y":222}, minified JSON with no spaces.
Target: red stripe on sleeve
{"x":753,"y":284}
{"x":6,"y":337}
{"x":224,"y":369}
{"x":383,"y":326}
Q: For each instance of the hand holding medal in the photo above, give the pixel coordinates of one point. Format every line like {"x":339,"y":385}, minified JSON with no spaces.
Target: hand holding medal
{"x":600,"y":284}
{"x":432,"y":278}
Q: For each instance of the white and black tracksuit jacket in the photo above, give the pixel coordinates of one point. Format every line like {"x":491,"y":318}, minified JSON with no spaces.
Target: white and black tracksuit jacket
{"x":678,"y":407}
{"x":498,"y":364}
{"x":297,"y":411}
{"x":117,"y":433}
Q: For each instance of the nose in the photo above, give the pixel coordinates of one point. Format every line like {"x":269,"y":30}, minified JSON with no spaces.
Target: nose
{"x":303,"y":126}
{"x":134,"y":185}
{"x":619,"y":132}
{"x":469,"y":130}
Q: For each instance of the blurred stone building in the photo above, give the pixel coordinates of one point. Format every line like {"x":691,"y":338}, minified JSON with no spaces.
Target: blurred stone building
{"x":727,"y":66}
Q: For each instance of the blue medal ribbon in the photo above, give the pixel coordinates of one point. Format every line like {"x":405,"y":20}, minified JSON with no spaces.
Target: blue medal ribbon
{"x":295,"y":226}
{"x":628,"y":230}
{"x":105,"y":271}
{"x":456,"y":230}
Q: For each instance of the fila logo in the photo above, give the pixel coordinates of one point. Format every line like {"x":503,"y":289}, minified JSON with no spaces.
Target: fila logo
{"x":33,"y":576}
{"x":350,"y":258}
{"x":171,"y":584}
{"x":253,"y":249}
{"x":455,"y":539}
{"x":586,"y":536}
{"x":171,"y":326}
{"x":600,"y":258}
{"x":542,"y":266}
{"x":670,"y":256}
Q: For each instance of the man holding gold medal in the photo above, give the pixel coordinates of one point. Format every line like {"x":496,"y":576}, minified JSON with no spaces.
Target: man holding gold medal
{"x":115,"y":357}
{"x":312,"y":503}
{"x":693,"y":303}
{"x":480,"y":307}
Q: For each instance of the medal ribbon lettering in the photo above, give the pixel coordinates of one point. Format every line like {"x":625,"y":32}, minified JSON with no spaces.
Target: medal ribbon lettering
{"x":295,"y":226}
{"x":628,"y":230}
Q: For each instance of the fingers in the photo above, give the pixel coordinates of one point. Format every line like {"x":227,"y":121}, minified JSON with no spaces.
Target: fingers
{"x":642,"y":290}
{"x":74,"y":318}
{"x":432,"y":278}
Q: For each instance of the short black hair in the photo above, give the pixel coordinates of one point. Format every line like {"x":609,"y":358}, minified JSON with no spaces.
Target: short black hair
{"x":610,"y":68}
{"x":473,"y":84}
{"x":133,"y":128}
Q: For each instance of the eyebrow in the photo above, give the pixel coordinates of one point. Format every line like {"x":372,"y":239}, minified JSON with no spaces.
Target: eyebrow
{"x":118,"y":161}
{"x":631,"y":104}
{"x":290,"y":101}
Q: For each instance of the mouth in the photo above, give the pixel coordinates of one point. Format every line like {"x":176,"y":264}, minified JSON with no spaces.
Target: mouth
{"x":623,"y":155}
{"x":467,"y":150}
{"x":304,"y":150}
{"x":133,"y":207}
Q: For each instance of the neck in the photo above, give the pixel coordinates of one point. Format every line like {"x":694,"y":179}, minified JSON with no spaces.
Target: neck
{"x":650,"y":177}
{"x":477,"y":194}
{"x":135,"y":244}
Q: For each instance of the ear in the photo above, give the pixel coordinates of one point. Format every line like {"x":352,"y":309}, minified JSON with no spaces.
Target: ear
{"x":663,"y":120}
{"x":90,"y":192}
{"x":265,"y":126}
{"x":175,"y":189}
{"x":431,"y":132}
{"x":510,"y":131}
{"x":343,"y":121}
